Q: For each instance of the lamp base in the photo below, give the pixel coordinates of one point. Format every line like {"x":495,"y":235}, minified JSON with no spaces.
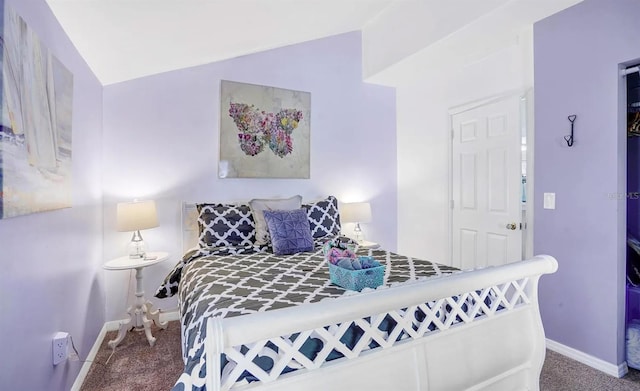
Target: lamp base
{"x":358,"y":233}
{"x":137,"y":247}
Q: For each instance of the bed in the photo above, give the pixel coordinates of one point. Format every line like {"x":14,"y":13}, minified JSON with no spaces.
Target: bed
{"x":252,"y":319}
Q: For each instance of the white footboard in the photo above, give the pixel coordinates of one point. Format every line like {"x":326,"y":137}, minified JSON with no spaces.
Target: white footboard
{"x":478,"y":330}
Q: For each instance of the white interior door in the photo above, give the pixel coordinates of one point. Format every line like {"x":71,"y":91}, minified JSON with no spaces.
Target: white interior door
{"x":486,"y":184}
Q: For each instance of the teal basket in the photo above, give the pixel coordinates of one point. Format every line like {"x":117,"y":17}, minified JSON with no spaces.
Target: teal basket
{"x":356,"y":280}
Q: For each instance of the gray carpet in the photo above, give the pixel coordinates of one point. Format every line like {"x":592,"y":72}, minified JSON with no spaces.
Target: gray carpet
{"x":560,"y":373}
{"x":137,"y":366}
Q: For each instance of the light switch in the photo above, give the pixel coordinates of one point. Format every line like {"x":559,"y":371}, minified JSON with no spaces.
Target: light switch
{"x":549,"y":200}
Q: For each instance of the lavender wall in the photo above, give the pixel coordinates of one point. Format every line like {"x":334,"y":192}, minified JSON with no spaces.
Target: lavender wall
{"x":161,"y":141}
{"x":51,"y":262}
{"x":577,"y":56}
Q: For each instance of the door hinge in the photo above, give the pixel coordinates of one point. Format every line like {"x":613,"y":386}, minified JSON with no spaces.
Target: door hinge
{"x":452,"y":134}
{"x":451,"y":204}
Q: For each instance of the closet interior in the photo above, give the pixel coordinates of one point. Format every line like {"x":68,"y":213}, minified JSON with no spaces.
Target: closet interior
{"x":633,"y":218}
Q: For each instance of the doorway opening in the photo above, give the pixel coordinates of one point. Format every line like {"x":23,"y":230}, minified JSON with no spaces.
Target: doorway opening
{"x":632,"y":285}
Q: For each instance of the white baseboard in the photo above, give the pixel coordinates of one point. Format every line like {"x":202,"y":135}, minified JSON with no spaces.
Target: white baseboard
{"x":164,"y":317}
{"x":87,"y":363}
{"x":170,"y":315}
{"x":110,"y":326}
{"x":587,"y":359}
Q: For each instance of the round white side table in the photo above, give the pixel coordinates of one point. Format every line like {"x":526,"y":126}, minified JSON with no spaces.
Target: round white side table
{"x":141,"y":313}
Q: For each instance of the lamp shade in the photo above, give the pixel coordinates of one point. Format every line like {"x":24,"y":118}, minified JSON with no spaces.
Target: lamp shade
{"x":137,"y":215}
{"x":355,"y":212}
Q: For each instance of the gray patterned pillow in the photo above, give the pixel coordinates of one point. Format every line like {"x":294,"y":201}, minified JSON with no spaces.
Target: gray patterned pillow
{"x":289,"y":231}
{"x":324,"y":218}
{"x":225,"y":225}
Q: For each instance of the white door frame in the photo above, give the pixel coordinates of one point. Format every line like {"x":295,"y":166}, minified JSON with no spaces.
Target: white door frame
{"x":526,"y":96}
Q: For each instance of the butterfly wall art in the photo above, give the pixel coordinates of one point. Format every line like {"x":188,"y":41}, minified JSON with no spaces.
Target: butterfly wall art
{"x":264,"y":132}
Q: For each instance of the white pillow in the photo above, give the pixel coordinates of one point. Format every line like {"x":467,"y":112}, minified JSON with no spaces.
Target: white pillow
{"x":258,"y":206}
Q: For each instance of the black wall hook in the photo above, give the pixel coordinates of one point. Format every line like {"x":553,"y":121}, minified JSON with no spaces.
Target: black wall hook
{"x":569,"y":139}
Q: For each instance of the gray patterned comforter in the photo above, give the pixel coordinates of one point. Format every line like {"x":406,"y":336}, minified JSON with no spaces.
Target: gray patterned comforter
{"x":232,"y":285}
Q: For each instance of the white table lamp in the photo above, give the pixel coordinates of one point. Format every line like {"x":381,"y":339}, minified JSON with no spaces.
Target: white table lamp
{"x":134,"y":216}
{"x":356,"y":212}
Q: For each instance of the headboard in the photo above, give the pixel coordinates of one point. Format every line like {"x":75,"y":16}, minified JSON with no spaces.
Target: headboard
{"x":189,"y":226}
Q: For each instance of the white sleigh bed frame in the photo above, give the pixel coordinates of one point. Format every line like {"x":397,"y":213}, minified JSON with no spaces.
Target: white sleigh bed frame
{"x":481,"y":331}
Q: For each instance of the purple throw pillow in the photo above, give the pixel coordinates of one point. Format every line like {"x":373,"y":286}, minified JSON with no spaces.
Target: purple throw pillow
{"x":290,"y":231}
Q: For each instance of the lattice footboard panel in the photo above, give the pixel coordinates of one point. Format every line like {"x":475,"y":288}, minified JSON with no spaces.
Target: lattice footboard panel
{"x":268,"y":359}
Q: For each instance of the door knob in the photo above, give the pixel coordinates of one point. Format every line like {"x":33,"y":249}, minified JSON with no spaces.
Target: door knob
{"x":511,"y":226}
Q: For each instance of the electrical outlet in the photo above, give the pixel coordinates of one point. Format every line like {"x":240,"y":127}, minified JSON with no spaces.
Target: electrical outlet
{"x":60,"y":347}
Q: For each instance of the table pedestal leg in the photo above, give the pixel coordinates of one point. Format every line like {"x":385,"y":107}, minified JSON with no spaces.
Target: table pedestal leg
{"x":138,"y":316}
{"x":124,"y":327}
{"x":154,"y":315}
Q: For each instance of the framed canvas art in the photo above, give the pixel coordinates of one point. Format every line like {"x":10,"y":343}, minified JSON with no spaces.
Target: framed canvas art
{"x":264,"y":131}
{"x":35,"y":124}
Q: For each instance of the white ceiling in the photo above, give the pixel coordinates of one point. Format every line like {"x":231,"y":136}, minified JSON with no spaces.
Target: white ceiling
{"x":126,"y":39}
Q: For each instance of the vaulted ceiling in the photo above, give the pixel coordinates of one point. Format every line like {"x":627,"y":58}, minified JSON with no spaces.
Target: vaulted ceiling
{"x":127,"y":39}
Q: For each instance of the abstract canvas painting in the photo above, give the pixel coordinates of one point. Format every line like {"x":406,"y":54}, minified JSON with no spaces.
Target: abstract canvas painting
{"x":35,"y":125}
{"x":264,"y":131}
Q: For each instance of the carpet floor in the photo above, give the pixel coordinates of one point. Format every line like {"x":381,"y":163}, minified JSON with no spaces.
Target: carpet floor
{"x":560,"y":373}
{"x":137,"y":366}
